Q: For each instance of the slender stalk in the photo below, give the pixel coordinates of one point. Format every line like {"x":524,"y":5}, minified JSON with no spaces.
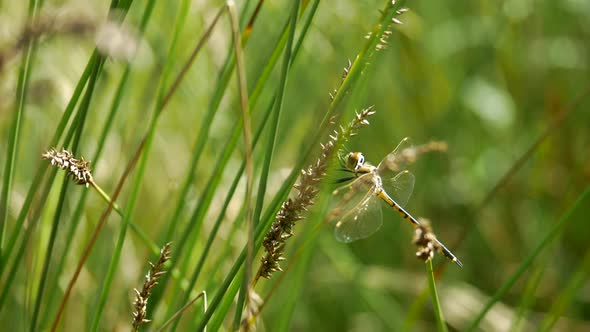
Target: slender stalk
{"x":246,"y":126}
{"x":440,"y":320}
{"x":177,"y":314}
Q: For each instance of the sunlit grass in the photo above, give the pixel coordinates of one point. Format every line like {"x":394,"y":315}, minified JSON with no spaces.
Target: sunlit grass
{"x":200,"y":138}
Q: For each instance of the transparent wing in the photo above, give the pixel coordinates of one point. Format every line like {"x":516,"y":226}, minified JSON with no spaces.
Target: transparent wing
{"x":398,"y":159}
{"x":396,"y":181}
{"x":347,"y":196}
{"x":400,"y":187}
{"x":358,"y":211}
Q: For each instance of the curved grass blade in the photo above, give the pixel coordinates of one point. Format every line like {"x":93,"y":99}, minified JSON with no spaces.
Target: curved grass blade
{"x":559,"y":226}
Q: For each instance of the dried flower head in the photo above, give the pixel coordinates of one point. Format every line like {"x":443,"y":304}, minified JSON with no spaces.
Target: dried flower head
{"x":78,"y":169}
{"x":425,"y":240}
{"x":151,"y":280}
{"x":307,"y":189}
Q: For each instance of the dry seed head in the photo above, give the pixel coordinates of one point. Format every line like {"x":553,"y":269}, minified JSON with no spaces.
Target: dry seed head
{"x":425,"y":240}
{"x":151,"y":280}
{"x":78,"y":169}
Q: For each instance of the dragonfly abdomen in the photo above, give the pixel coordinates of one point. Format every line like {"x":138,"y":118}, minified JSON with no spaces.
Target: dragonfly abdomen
{"x":407,"y":217}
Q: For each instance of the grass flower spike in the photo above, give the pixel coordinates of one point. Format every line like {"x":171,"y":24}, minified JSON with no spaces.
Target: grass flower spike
{"x":78,"y":169}
{"x":151,"y":280}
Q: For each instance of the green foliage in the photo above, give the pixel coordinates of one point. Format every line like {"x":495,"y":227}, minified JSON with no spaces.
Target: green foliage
{"x":149,"y":93}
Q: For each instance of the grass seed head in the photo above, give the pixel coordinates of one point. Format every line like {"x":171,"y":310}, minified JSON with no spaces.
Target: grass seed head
{"x":78,"y":169}
{"x":151,"y":280}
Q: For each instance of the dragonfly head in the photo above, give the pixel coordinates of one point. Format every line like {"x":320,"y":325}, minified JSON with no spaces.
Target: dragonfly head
{"x":354,"y":161}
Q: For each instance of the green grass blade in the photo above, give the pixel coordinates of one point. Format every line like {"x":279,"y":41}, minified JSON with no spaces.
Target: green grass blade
{"x":221,"y":216}
{"x":530,"y":258}
{"x":199,"y":146}
{"x":96,"y":65}
{"x":114,"y":108}
{"x":211,"y":186}
{"x":106,"y":286}
{"x":568,"y":294}
{"x":438,"y":314}
{"x":24,"y":74}
{"x":79,"y":210}
{"x":17,"y":257}
{"x":43,"y":165}
{"x":295,"y":289}
{"x":354,"y":73}
{"x":222,"y":291}
{"x":270,"y":146}
{"x":529,"y":295}
{"x":84,"y":106}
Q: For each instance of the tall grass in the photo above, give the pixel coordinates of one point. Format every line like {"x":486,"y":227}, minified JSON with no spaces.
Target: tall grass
{"x":228,"y":121}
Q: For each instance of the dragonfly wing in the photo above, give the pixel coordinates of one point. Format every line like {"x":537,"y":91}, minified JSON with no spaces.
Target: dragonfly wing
{"x":400,"y":187}
{"x":361,"y":221}
{"x":347,"y":196}
{"x":398,"y":159}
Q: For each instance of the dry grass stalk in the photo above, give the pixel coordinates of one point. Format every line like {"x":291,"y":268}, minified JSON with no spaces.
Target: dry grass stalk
{"x":307,"y":189}
{"x":151,"y":280}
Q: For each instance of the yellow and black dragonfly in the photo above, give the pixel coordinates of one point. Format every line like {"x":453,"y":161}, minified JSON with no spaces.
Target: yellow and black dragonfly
{"x":358,"y":211}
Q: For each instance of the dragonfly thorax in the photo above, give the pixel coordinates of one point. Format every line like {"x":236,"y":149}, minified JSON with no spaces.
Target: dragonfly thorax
{"x":355,"y":162}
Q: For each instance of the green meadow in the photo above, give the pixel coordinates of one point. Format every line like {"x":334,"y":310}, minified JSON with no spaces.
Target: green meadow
{"x":177,"y":165}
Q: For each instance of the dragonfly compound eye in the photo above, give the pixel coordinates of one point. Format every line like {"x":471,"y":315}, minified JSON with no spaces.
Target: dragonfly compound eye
{"x":350,"y":161}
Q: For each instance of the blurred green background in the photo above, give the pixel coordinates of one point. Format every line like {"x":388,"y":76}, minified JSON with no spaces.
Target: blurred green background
{"x":487,"y":77}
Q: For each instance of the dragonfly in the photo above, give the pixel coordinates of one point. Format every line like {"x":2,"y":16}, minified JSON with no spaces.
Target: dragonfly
{"x":358,"y":208}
